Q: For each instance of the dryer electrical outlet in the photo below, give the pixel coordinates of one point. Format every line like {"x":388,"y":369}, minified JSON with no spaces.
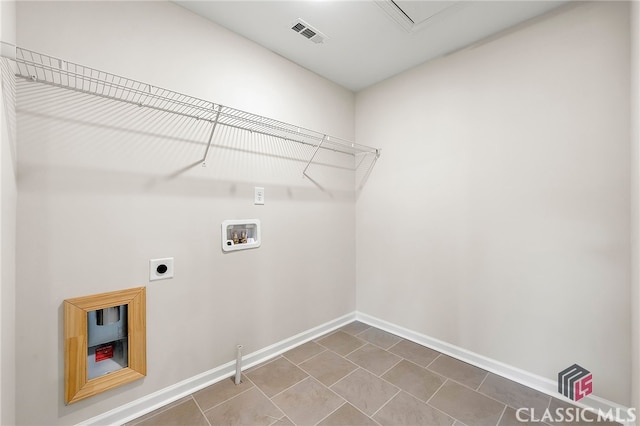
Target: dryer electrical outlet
{"x":160,"y":269}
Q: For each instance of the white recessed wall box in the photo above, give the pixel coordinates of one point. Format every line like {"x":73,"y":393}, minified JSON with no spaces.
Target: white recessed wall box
{"x":240,"y":234}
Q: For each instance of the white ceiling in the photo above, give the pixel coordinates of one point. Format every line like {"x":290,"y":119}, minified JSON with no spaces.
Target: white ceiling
{"x":368,"y":41}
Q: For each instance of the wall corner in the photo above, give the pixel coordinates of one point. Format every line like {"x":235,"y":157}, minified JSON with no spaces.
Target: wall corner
{"x":635,"y":202}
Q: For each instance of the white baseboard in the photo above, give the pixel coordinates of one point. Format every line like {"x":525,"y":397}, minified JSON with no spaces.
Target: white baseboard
{"x":539,"y":383}
{"x":146,"y":404}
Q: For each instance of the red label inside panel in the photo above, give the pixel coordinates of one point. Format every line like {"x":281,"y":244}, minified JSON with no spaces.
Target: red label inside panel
{"x":104,"y":352}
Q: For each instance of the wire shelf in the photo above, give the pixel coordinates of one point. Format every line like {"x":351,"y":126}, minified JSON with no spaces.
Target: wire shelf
{"x":53,"y":71}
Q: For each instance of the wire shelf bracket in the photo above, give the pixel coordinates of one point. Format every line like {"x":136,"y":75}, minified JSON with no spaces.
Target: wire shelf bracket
{"x":213,"y":129}
{"x":304,"y":172}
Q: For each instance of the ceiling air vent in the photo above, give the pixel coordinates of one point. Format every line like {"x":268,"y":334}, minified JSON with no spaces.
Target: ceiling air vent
{"x":306,"y":30}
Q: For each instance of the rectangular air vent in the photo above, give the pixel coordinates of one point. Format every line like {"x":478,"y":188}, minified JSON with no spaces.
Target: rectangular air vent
{"x":306,"y":30}
{"x":307,"y":33}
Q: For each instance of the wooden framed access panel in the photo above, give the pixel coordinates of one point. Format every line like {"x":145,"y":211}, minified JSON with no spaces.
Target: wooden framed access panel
{"x":104,"y":342}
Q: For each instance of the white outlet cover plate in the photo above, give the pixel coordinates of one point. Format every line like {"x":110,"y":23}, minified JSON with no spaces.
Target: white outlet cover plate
{"x":258,"y":195}
{"x":153,"y":269}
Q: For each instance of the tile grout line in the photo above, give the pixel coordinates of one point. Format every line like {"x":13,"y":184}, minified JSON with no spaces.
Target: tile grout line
{"x":357,"y":334}
{"x":226,"y":400}
{"x":482,"y":382}
{"x":264,"y":364}
{"x":392,"y":367}
{"x":325,"y":417}
{"x":363,"y":413}
{"x":286,"y":389}
{"x":496,"y":400}
{"x":437,"y":409}
{"x":159,"y":411}
{"x":502,"y":402}
{"x":201,"y":411}
{"x":386,"y":403}
{"x":448,"y":415}
{"x":411,"y":360}
{"x":486,"y":373}
{"x":276,"y":420}
{"x":328,"y":386}
{"x":349,"y":374}
{"x":504,"y":411}
{"x":378,"y":346}
{"x":434,"y":360}
{"x":356,"y":349}
{"x":394,"y":345}
{"x":395,"y":386}
{"x":350,"y":335}
{"x":382,"y":347}
{"x":271,"y":401}
{"x":374,"y":420}
{"x":308,"y":359}
{"x":337,"y":395}
{"x":398,"y":387}
{"x":437,"y":390}
{"x":456,"y":381}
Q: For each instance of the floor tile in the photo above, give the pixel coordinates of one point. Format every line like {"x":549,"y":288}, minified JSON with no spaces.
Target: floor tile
{"x":379,"y":337}
{"x":341,"y":342}
{"x":513,"y":394}
{"x":459,"y":371}
{"x":342,"y":379}
{"x":355,"y":328}
{"x":414,"y":352}
{"x":347,"y":415}
{"x":219,"y":392}
{"x":303,"y":352}
{"x":249,"y":408}
{"x":414,"y":379}
{"x":466,"y":405}
{"x":276,"y":376}
{"x":328,"y":367}
{"x":404,"y":409}
{"x":183,"y":413}
{"x":365,"y":391}
{"x":308,"y":402}
{"x":374,"y":359}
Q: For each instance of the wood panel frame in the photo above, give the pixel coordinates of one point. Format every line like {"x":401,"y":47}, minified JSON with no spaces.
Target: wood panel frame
{"x":77,"y":386}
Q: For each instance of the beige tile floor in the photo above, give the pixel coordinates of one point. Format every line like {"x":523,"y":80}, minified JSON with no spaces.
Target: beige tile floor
{"x":357,"y":375}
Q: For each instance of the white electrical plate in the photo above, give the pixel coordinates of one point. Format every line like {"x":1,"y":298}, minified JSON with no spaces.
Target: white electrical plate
{"x":240,"y":234}
{"x":160,"y":269}
{"x":258,"y":195}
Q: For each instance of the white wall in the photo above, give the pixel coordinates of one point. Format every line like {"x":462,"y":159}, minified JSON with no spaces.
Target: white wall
{"x":8,"y":201}
{"x":101,"y":192}
{"x":497,"y":218}
{"x":635,"y":200}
